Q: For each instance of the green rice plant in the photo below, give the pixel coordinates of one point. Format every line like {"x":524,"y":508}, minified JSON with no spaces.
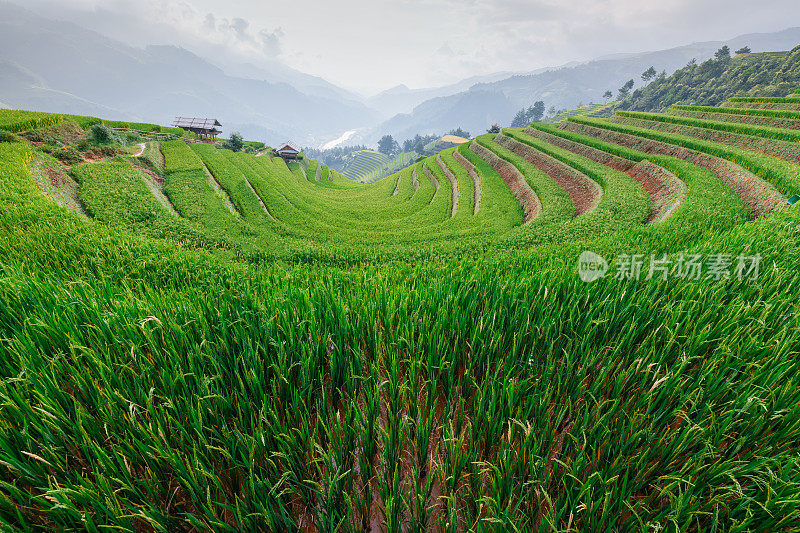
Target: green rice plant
{"x":243,"y":197}
{"x":776,"y":113}
{"x":19,"y":121}
{"x":782,"y":149}
{"x":138,"y":126}
{"x":766,"y":99}
{"x":343,"y":357}
{"x":242,"y":444}
{"x":623,"y":204}
{"x":785,"y":176}
{"x":311,"y":170}
{"x":742,"y":129}
{"x":115,"y":193}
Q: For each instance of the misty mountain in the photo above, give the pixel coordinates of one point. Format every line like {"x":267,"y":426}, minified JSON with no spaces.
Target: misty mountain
{"x":276,"y":72}
{"x":48,"y":65}
{"x":401,"y":99}
{"x":486,"y":103}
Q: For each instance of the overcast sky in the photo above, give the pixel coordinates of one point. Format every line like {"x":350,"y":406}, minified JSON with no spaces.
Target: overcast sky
{"x":370,"y":45}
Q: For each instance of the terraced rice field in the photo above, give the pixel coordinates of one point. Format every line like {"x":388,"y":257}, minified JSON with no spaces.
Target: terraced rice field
{"x":228,"y":343}
{"x":368,"y":165}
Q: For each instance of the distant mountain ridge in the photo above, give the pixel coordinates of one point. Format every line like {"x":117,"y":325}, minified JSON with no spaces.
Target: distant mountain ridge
{"x":49,"y":65}
{"x":565,"y":87}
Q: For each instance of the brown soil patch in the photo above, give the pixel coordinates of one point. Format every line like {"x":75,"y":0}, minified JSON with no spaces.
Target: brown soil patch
{"x":584,"y":191}
{"x":473,"y":173}
{"x":415,"y":180}
{"x":527,"y":198}
{"x":760,"y":197}
{"x":453,"y":185}
{"x":667,"y":192}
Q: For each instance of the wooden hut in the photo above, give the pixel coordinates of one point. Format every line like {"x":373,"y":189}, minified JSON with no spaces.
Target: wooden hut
{"x":206,"y":128}
{"x":288,"y":151}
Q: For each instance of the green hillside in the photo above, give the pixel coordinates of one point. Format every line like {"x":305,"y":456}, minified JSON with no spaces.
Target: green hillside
{"x":716,"y":80}
{"x":584,"y":326}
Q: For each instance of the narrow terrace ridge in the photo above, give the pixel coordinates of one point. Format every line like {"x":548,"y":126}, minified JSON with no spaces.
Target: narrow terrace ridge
{"x":778,"y":106}
{"x":734,"y":118}
{"x":666,"y":190}
{"x":760,"y":197}
{"x":473,"y":173}
{"x":433,"y":179}
{"x":397,"y":185}
{"x":220,"y":191}
{"x":525,"y":195}
{"x":782,"y":149}
{"x":453,"y":185}
{"x":415,"y":181}
{"x":260,"y":201}
{"x":155,"y":184}
{"x":584,"y":191}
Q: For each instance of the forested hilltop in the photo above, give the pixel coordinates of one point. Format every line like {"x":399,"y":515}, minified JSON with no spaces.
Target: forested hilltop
{"x":714,"y":81}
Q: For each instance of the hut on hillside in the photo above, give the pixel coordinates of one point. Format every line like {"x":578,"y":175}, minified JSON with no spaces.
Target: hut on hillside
{"x":288,"y":151}
{"x":206,"y":128}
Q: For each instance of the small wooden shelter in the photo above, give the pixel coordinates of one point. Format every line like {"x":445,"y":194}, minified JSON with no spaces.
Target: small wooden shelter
{"x":288,"y":151}
{"x":205,"y":128}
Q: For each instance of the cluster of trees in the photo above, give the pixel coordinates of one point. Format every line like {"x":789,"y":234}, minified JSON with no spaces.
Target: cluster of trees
{"x":389,"y":146}
{"x":418,"y":142}
{"x":336,"y":158}
{"x":719,"y":78}
{"x":534,"y":113}
{"x":623,"y":92}
{"x":235,"y":143}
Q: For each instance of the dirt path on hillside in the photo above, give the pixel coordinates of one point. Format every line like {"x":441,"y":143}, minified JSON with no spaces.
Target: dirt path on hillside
{"x":397,"y":185}
{"x":525,"y":195}
{"x":476,"y":179}
{"x":667,"y":192}
{"x":760,"y":197}
{"x":453,"y":185}
{"x":142,"y":147}
{"x":584,"y":191}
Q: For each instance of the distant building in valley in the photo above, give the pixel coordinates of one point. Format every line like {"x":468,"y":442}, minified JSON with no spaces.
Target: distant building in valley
{"x":206,"y":128}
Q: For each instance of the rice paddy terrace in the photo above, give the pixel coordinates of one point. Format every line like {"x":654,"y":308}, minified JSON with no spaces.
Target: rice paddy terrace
{"x":199,"y":340}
